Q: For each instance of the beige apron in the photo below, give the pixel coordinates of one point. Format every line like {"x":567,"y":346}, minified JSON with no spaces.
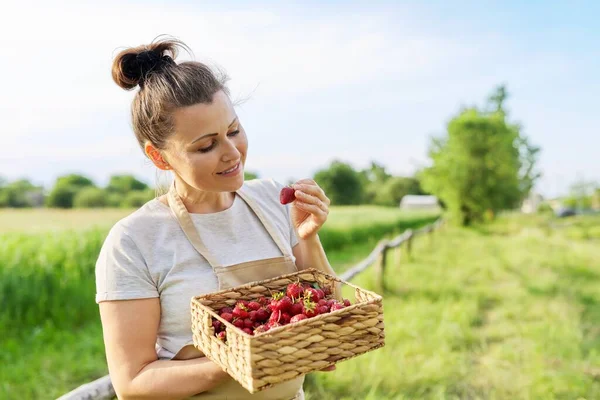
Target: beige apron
{"x":235,"y":275}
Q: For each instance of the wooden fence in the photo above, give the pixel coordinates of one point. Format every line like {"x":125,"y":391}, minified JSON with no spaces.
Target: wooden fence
{"x":102,"y":389}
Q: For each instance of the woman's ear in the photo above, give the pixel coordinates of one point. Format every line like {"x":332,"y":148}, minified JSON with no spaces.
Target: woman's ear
{"x":154,"y":154}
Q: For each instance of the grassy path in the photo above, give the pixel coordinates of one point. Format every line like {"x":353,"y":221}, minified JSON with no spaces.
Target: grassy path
{"x":506,"y":313}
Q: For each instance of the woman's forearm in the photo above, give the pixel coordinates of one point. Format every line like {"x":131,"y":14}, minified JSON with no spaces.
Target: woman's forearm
{"x":174,"y":379}
{"x":313,"y":256}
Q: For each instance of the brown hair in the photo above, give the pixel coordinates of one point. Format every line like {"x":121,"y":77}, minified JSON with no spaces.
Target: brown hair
{"x":164,"y":86}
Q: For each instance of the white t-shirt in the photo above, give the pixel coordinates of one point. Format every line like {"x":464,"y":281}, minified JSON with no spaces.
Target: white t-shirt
{"x":146,"y":254}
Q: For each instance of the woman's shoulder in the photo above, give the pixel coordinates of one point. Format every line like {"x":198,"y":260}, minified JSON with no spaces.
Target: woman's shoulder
{"x":152,"y":214}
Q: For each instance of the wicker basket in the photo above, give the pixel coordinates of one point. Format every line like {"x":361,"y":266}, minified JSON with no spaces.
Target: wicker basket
{"x":286,"y":352}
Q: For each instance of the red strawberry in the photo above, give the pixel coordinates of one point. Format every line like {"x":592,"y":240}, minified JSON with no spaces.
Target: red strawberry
{"x":326,"y":290}
{"x":256,"y":324}
{"x":227,"y":310}
{"x":322,"y":302}
{"x":336,"y":306}
{"x":262,"y":300}
{"x":311,"y":294}
{"x":242,"y":303}
{"x":296,"y":309}
{"x":323,"y":309}
{"x":285,"y":318}
{"x":262,"y":315}
{"x":254,"y":305}
{"x":227,"y":317}
{"x":222,"y":335}
{"x":248,"y":331}
{"x":287,"y":195}
{"x":248,"y":323}
{"x":330,"y":302}
{"x":269,"y":308}
{"x":320,"y":294}
{"x":294,"y":290}
{"x":275,"y":317}
{"x":308,"y":308}
{"x":239,"y":323}
{"x":284,"y":304}
{"x":217,"y":325}
{"x":252,"y":315}
{"x":297,"y":318}
{"x":276,"y":296}
{"x":240,"y":312}
{"x":347,"y":302}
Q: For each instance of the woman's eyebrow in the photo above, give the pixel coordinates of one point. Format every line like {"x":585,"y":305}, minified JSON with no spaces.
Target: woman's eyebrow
{"x":214,"y":134}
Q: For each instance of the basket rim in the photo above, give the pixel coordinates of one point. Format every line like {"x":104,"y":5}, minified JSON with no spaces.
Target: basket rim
{"x":302,"y":271}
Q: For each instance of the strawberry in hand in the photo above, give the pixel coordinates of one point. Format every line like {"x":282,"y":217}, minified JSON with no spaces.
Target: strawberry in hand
{"x":310,"y":206}
{"x":287,"y":195}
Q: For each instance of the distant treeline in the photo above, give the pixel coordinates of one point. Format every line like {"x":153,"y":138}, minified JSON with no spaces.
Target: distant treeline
{"x":343,"y":184}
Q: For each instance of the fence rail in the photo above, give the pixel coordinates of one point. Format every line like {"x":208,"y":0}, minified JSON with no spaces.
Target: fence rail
{"x":102,"y":389}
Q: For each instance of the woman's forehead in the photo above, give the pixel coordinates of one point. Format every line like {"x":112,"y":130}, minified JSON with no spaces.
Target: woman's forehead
{"x":204,"y":118}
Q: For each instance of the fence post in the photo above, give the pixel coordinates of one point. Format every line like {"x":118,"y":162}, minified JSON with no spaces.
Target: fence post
{"x":409,"y":245}
{"x":380,"y":267}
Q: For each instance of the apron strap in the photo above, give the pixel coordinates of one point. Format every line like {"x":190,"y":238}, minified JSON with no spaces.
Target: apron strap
{"x":186,"y":223}
{"x":188,"y":227}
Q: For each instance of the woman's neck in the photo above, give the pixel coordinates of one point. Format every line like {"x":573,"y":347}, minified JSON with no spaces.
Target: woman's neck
{"x":202,"y":201}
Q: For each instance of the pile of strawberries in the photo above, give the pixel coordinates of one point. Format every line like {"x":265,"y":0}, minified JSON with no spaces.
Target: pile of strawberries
{"x":299,"y":301}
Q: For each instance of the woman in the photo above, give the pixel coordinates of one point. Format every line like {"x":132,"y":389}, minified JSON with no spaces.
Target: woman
{"x":211,"y":231}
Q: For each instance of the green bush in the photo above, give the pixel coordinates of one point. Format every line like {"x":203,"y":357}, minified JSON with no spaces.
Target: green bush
{"x":90,"y":198}
{"x":114,"y":200}
{"x":137,"y":199}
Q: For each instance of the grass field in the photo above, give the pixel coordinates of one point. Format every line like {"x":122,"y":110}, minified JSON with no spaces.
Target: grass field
{"x":50,"y":331}
{"x":507,"y":311}
{"x":511,"y":311}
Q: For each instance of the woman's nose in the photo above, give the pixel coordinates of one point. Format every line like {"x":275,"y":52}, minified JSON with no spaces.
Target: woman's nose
{"x":232,"y":152}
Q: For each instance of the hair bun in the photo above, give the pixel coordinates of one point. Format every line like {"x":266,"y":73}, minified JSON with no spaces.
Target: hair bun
{"x":132,"y":66}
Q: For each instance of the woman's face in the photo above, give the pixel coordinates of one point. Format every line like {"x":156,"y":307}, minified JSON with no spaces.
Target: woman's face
{"x":208,"y":140}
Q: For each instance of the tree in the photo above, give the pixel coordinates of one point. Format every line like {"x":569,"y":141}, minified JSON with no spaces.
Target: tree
{"x":373,"y":179}
{"x":19,"y":194}
{"x":483,"y":164}
{"x":90,"y":197}
{"x":137,"y":199}
{"x":394,"y":189}
{"x":248,"y":176}
{"x":65,"y":189}
{"x":124,"y":184}
{"x":596,"y":199}
{"x":341,"y":183}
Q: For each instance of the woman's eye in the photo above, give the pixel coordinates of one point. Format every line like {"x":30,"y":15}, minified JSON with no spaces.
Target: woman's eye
{"x":209,"y":148}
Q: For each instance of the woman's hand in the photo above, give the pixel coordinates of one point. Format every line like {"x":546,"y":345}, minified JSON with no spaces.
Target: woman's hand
{"x":310,"y":209}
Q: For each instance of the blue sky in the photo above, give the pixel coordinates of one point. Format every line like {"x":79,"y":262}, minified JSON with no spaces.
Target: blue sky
{"x":355,"y":81}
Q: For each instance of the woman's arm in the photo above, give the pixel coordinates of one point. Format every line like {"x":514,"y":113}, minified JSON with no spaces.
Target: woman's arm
{"x":308,"y":213}
{"x":130,"y":328}
{"x":309,"y":253}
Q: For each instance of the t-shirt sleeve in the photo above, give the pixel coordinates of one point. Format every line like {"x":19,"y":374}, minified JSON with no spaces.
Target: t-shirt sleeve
{"x":288,"y":214}
{"x":121,"y":271}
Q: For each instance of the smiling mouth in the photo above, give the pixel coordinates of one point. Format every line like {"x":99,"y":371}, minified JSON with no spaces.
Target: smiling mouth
{"x":233,"y":169}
